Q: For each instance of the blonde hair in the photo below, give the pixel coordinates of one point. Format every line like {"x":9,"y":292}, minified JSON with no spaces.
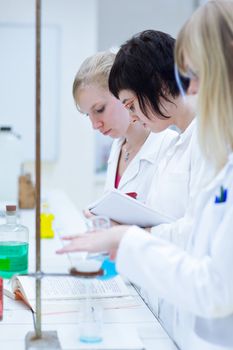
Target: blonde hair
{"x":206,"y":40}
{"x":94,"y":70}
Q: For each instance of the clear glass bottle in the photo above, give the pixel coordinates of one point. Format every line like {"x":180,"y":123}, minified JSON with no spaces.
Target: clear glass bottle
{"x":11,"y":157}
{"x":13,"y":245}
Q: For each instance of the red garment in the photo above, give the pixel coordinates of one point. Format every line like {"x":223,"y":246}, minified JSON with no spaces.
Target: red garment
{"x":117,"y":179}
{"x":132,"y":194}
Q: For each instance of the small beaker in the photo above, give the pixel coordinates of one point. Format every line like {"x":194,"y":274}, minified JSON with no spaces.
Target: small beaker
{"x":98,"y":222}
{"x":91,"y":318}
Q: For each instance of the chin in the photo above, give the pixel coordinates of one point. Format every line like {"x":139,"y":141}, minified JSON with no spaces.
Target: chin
{"x":157,"y":130}
{"x":114,"y":135}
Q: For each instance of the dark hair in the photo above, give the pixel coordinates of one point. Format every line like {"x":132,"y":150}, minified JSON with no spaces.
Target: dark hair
{"x":145,"y":65}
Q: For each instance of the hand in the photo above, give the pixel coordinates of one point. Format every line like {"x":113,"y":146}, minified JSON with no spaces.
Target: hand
{"x":98,"y":241}
{"x":88,"y":214}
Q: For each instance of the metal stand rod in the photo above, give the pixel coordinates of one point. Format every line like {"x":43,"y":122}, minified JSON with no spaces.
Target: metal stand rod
{"x":39,"y":340}
{"x":38,"y":170}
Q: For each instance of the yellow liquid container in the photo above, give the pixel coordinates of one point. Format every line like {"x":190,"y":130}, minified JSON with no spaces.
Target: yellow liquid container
{"x":46,"y":223}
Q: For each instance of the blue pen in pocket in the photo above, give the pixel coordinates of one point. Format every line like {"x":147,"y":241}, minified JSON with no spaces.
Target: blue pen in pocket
{"x":222,"y":197}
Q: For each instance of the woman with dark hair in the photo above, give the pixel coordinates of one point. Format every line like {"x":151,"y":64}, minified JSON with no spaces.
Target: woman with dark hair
{"x":144,"y":66}
{"x":143,"y":78}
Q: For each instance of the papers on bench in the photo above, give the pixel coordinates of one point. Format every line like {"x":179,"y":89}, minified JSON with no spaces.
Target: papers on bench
{"x":23,"y":288}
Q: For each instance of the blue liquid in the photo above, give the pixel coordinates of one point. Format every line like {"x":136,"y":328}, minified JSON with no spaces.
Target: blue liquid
{"x":13,"y":258}
{"x":90,"y":340}
{"x":109,"y":268}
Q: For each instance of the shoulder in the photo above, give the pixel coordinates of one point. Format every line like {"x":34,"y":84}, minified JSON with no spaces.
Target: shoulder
{"x":163,"y":136}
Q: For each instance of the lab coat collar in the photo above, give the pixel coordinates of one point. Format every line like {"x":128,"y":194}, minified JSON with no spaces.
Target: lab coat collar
{"x":116,"y":148}
{"x":186,"y":133}
{"x":146,"y":153}
{"x":149,"y":148}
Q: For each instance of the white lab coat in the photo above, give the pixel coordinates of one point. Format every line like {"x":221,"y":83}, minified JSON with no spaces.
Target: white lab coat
{"x":198,"y":280}
{"x":139,"y":173}
{"x":178,"y":175}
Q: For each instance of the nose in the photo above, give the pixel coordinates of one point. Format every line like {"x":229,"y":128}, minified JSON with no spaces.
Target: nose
{"x":96,"y":124}
{"x":193,"y":87}
{"x":134,"y":117}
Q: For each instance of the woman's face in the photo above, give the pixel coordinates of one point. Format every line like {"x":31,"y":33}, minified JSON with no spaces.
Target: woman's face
{"x":153,"y":120}
{"x":106,"y":113}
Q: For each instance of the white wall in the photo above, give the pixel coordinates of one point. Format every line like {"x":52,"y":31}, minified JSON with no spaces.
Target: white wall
{"x":85,"y":27}
{"x":73,"y":171}
{"x":119,"y":20}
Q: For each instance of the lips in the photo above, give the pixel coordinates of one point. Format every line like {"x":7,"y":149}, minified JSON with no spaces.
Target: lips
{"x":107,"y":132}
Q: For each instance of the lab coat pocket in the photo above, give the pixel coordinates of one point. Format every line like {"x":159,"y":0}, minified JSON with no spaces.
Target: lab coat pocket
{"x":214,"y":213}
{"x":218,"y":210}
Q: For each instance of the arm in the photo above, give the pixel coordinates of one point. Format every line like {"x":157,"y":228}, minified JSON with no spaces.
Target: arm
{"x":203,"y":285}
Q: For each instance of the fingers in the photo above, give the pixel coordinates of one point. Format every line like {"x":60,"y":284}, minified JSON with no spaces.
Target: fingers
{"x":87,"y":213}
{"x":114,"y":223}
{"x":76,"y":245}
{"x":69,"y":248}
{"x":112,"y":255}
{"x":68,"y":238}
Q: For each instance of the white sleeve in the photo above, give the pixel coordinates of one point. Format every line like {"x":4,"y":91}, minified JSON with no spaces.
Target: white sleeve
{"x":202,"y":286}
{"x":177,"y":232}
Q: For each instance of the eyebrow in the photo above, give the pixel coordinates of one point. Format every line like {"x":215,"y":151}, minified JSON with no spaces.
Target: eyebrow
{"x":94,"y":105}
{"x":92,"y":108}
{"x":125,"y":100}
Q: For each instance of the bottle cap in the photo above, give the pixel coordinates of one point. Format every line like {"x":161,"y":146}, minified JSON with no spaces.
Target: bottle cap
{"x":10,"y":208}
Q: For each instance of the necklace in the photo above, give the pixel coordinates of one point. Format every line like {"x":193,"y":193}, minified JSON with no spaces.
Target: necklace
{"x":128,"y":152}
{"x":126,"y":156}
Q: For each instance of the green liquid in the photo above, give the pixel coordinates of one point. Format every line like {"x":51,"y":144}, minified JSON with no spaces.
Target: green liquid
{"x":13,"y":258}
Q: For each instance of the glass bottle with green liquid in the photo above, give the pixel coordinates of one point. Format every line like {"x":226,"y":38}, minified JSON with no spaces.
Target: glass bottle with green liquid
{"x":13,"y":245}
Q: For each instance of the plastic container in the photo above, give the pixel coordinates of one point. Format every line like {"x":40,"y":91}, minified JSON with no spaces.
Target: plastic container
{"x":13,"y":245}
{"x":46,"y":222}
{"x":10,"y":162}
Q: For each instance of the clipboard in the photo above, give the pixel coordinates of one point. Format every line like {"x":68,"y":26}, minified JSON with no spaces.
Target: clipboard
{"x":126,"y":210}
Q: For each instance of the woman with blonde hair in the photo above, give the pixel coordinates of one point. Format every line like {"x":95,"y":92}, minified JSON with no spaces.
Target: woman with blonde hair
{"x":136,"y":151}
{"x":197,"y":280}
